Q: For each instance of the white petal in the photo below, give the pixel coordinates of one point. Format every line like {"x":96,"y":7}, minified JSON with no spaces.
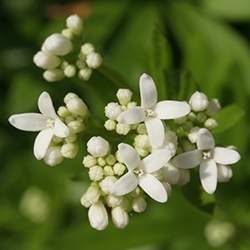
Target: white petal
{"x":132,"y":116}
{"x":153,"y":187}
{"x":45,"y":105}
{"x":60,"y":129}
{"x":188,"y":159}
{"x":205,"y":139}
{"x":128,"y":155}
{"x":28,"y":121}
{"x":42,"y":143}
{"x":171,"y":109}
{"x":208,"y":175}
{"x":156,"y":160}
{"x":156,"y":131}
{"x":148,"y":91}
{"x":225,"y":156}
{"x":126,"y":184}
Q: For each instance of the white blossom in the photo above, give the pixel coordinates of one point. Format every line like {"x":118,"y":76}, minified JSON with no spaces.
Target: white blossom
{"x":47,"y":122}
{"x":97,"y":146}
{"x":152,"y":112}
{"x":198,"y":101}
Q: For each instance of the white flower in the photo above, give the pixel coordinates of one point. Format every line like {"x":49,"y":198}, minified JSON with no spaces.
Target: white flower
{"x":119,"y":217}
{"x":47,"y":122}
{"x":113,"y":110}
{"x":45,"y":60}
{"x":53,"y":156}
{"x":97,"y":146}
{"x":98,"y":216}
{"x":140,"y":172}
{"x":93,"y":60}
{"x":57,"y":44}
{"x":198,"y":101}
{"x":208,"y":157}
{"x":75,"y":24}
{"x":152,"y":112}
{"x":124,"y":96}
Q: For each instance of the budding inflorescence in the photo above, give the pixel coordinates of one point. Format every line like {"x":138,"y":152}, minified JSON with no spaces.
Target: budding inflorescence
{"x":61,"y":57}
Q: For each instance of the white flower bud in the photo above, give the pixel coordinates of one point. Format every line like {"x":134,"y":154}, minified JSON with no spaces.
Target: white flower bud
{"x":113,"y":110}
{"x":96,"y":173}
{"x":101,"y":161}
{"x":192,"y":135}
{"x":98,"y":216}
{"x":93,"y":60}
{"x":139,"y":204}
{"x":89,"y":161}
{"x":110,"y":159}
{"x":171,"y":173}
{"x":198,"y":101}
{"x":69,"y":150}
{"x":77,"y":106}
{"x":119,"y":169}
{"x":53,"y":75}
{"x":87,"y":48}
{"x":141,"y":129}
{"x":71,"y":138}
{"x":124,"y":96}
{"x":70,"y":96}
{"x":142,"y":141}
{"x":97,"y":146}
{"x":63,"y":112}
{"x":76,"y":126}
{"x":91,"y":196}
{"x":57,"y":44}
{"x":119,"y":217}
{"x":69,"y":71}
{"x":113,"y":201}
{"x":110,"y":125}
{"x":131,"y":105}
{"x":213,"y":107}
{"x":225,"y":173}
{"x":45,"y":60}
{"x":107,"y":184}
{"x":122,"y":129}
{"x":211,"y":123}
{"x":53,"y":156}
{"x":184,"y":177}
{"x":68,"y":34}
{"x":85,"y":74}
{"x":108,"y":171}
{"x":75,"y":24}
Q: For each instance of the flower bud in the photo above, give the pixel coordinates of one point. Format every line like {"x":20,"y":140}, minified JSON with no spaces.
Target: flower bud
{"x":131,"y":105}
{"x":213,"y":107}
{"x":113,"y":110}
{"x":119,"y":217}
{"x":141,"y":129}
{"x":97,"y":146}
{"x":69,"y":150}
{"x":122,"y":128}
{"x":142,"y":141}
{"x":45,"y":60}
{"x":71,"y":138}
{"x":76,"y":127}
{"x":192,"y":135}
{"x":107,"y":184}
{"x":53,"y":75}
{"x":101,"y":161}
{"x":113,"y":201}
{"x":63,"y":112}
{"x":70,"y":96}
{"x":119,"y":169}
{"x":98,"y":216}
{"x":184,"y":177}
{"x":124,"y":96}
{"x":77,"y":106}
{"x":139,"y":204}
{"x":85,"y":74}
{"x":91,"y":196}
{"x":198,"y":101}
{"x":75,"y":24}
{"x":69,"y":71}
{"x":108,"y":171}
{"x":110,"y":159}
{"x":211,"y":123}
{"x":110,"y":125}
{"x":87,"y":48}
{"x":53,"y":156}
{"x":93,"y":60}
{"x":171,"y":173}
{"x":89,"y":161}
{"x":225,"y":173}
{"x":96,"y":173}
{"x":68,"y":34}
{"x":57,"y":44}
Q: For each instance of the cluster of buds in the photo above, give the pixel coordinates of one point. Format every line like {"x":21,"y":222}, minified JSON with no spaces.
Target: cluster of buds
{"x":104,"y":170}
{"x":114,"y":109}
{"x":56,"y":56}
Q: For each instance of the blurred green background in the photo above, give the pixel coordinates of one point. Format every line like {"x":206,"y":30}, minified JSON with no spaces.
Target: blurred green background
{"x":178,"y":42}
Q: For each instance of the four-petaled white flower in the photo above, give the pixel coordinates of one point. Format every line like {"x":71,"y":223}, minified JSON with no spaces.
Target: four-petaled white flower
{"x":47,"y":122}
{"x":152,"y":112}
{"x":210,"y":158}
{"x":140,"y":172}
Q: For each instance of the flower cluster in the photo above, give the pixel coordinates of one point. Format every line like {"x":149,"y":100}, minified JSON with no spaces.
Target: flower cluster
{"x":58,"y":131}
{"x":57,"y":54}
{"x":162,"y":155}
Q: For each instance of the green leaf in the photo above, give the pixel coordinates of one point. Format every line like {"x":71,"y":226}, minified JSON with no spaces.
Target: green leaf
{"x":228,"y":117}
